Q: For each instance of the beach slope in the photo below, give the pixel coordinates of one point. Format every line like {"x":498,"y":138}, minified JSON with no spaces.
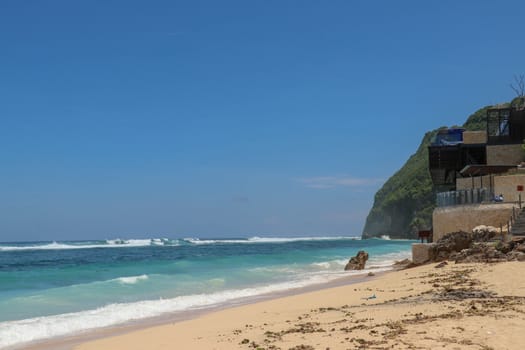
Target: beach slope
{"x":456,"y":306}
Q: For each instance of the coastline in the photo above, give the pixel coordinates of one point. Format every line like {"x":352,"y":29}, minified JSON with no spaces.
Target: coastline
{"x":181,"y":280}
{"x":71,"y":341}
{"x":457,"y":306}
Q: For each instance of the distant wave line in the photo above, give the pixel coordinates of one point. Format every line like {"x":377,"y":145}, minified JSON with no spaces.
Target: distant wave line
{"x":257,"y":239}
{"x":110,"y":243}
{"x":163,"y":242}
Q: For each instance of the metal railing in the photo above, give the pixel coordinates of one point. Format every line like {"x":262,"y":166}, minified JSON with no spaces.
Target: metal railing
{"x":461,"y":197}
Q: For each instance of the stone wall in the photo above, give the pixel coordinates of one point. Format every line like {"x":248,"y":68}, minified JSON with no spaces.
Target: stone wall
{"x":466,"y":217}
{"x":504,"y":154}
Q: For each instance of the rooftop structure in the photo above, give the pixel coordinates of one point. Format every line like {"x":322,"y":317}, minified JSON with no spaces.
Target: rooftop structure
{"x":457,"y":153}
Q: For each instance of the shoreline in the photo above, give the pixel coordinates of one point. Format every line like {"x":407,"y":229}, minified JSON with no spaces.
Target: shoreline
{"x":456,"y":306}
{"x":83,"y":306}
{"x":69,"y":342}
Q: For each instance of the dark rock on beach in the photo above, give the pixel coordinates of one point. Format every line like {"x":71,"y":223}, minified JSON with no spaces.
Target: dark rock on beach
{"x":357,"y":262}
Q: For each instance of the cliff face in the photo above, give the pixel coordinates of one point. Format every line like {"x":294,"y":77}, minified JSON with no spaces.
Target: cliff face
{"x":405,"y":202}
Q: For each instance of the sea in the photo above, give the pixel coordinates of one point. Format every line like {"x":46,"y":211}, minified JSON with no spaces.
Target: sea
{"x":62,"y":288}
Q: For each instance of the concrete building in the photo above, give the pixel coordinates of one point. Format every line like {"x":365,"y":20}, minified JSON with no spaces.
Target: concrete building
{"x":478,"y":174}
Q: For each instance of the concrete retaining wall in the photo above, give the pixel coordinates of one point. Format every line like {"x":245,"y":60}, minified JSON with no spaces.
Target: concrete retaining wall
{"x":466,"y":217}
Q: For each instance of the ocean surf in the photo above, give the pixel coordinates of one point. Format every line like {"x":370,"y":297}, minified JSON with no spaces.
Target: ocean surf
{"x":53,"y":289}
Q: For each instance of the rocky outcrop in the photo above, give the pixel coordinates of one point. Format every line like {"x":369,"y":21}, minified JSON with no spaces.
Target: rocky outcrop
{"x":357,"y":262}
{"x":482,"y":245}
{"x":449,"y":243}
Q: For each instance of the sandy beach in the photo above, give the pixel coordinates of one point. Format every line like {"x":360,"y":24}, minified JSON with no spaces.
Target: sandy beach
{"x":456,"y":306}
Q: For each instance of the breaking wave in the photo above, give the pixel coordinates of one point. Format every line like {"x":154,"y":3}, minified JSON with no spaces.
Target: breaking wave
{"x":257,"y":239}
{"x":38,"y":328}
{"x":110,"y":243}
{"x":163,"y":242}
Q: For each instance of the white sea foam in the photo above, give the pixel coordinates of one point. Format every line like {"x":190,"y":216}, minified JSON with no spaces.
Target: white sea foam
{"x":133,"y":242}
{"x":296,"y":239}
{"x":275,"y":269}
{"x":126,"y":243}
{"x":387,"y":260}
{"x":332,"y":264}
{"x":33,"y":329}
{"x":324,"y":264}
{"x":48,"y":246}
{"x":257,"y":239}
{"x":131,"y":279}
{"x":110,"y":243}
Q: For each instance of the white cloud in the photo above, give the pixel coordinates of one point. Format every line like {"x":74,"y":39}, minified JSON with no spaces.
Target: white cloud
{"x":324,"y":182}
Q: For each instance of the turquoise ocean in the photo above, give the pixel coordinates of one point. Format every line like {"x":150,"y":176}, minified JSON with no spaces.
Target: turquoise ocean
{"x":53,"y":289}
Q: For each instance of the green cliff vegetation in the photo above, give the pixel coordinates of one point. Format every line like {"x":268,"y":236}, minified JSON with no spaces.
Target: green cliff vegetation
{"x":405,"y":203}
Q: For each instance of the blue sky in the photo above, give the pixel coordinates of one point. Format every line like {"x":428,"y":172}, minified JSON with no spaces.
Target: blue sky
{"x":230,"y":118}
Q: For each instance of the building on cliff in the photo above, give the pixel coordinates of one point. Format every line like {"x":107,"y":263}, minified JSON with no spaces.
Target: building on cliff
{"x":478,"y":174}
